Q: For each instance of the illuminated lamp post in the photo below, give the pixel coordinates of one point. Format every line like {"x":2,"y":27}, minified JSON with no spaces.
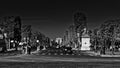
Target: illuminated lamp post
{"x":78,"y":43}
{"x":38,"y":46}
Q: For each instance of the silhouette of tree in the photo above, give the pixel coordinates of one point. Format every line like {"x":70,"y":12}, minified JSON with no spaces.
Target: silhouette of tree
{"x":43,"y":40}
{"x":17,"y":29}
{"x":12,"y":26}
{"x":79,"y":21}
{"x":27,"y":31}
{"x":107,"y":35}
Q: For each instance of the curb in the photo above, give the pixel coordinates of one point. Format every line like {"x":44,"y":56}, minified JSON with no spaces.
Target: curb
{"x":104,"y":55}
{"x":110,"y":55}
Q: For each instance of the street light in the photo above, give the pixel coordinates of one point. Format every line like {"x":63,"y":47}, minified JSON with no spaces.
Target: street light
{"x":21,"y":43}
{"x":38,"y":47}
{"x":12,"y":41}
{"x":37,"y":41}
{"x":24,"y":38}
{"x":5,"y":34}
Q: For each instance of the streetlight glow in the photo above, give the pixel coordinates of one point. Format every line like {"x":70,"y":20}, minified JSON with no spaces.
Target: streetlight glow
{"x":37,"y":41}
{"x":11,"y":41}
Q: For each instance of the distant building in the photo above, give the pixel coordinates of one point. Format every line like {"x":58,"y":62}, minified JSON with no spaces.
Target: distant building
{"x":69,"y":36}
{"x":58,"y":40}
{"x":85,"y":41}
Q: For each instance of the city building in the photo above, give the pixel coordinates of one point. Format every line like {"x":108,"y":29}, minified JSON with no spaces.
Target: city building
{"x":59,"y":41}
{"x":85,"y":41}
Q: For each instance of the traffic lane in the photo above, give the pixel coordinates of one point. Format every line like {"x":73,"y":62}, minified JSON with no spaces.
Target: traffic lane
{"x":47,"y":58}
{"x":60,"y":64}
{"x":33,"y":58}
{"x":77,"y":56}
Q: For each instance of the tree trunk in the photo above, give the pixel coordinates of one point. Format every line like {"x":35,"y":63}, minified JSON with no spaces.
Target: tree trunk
{"x":104,"y":46}
{"x":16,"y":46}
{"x":113,"y":47}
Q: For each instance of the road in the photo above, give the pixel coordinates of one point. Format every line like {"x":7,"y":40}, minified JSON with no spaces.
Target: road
{"x":55,"y":58}
{"x":48,"y":61}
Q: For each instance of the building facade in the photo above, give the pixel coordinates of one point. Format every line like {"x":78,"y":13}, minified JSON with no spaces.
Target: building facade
{"x":59,"y":41}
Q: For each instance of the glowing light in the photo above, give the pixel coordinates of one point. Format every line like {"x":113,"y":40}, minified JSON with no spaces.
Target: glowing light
{"x":24,"y":38}
{"x":65,"y":49}
{"x":37,"y":41}
{"x":21,"y":43}
{"x":11,"y":41}
{"x":5,"y":34}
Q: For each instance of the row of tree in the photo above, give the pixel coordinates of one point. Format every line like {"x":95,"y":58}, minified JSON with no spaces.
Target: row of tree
{"x":106,"y":37}
{"x":41,"y":39}
{"x":12,"y":26}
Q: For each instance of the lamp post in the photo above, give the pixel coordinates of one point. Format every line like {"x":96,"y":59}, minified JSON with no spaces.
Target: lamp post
{"x":78,"y":43}
{"x":38,"y":46}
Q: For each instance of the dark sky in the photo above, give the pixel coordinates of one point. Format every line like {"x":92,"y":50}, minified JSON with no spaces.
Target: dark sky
{"x":53,"y":17}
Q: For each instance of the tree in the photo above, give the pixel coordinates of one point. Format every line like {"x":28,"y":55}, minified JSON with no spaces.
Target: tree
{"x":12,"y":26}
{"x":17,"y":29}
{"x":27,"y":31}
{"x":95,"y":39}
{"x":107,"y":33}
{"x":79,"y":19}
{"x":43,"y":40}
{"x":80,"y":24}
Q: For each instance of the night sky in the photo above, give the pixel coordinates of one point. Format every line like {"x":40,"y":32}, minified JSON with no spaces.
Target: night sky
{"x":53,"y":17}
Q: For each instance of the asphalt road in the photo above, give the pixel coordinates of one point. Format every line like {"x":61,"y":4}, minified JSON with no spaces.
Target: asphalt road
{"x":50,"y":61}
{"x":55,"y":58}
{"x":59,"y":65}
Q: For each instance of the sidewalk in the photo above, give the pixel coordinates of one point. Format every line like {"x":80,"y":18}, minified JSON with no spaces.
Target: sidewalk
{"x":89,"y":53}
{"x":34,"y":52}
{"x":110,"y":55}
{"x":11,"y":49}
{"x":92,"y":53}
{"x":10,"y":53}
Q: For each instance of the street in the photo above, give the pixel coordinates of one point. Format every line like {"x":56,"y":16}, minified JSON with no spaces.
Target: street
{"x":45,"y":61}
{"x":57,"y":58}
